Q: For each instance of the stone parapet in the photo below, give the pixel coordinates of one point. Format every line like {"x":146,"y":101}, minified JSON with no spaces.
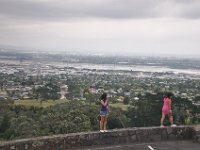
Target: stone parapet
{"x":117,"y":136}
{"x":197,"y":134}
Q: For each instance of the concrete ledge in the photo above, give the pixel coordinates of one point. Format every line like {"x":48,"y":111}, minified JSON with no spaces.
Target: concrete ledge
{"x":129,"y":135}
{"x":197,"y":134}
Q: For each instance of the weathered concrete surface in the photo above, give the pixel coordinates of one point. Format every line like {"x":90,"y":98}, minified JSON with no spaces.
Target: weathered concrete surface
{"x":197,"y":134}
{"x":129,"y":135}
{"x":166,"y":145}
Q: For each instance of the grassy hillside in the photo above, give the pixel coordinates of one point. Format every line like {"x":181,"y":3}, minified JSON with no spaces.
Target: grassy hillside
{"x":120,"y":105}
{"x":38,"y":103}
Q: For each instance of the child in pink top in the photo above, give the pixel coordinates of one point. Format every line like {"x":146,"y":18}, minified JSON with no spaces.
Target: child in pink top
{"x":166,"y":109}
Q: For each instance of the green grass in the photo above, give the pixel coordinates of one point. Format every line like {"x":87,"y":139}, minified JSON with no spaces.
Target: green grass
{"x":38,"y":103}
{"x":48,"y":103}
{"x":120,"y":105}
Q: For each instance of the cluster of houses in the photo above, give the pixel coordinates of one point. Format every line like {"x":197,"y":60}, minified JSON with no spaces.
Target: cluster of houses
{"x":137,"y":82}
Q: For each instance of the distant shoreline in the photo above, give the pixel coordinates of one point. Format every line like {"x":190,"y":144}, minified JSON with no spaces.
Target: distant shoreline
{"x":111,"y":67}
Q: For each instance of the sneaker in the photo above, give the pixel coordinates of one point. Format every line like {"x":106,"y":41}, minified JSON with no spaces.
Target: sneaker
{"x":101,"y":130}
{"x":162,"y":126}
{"x":173,"y":125}
{"x":105,"y":130}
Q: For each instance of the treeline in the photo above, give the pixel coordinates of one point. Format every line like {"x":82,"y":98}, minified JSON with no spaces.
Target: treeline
{"x":81,"y":116}
{"x":23,"y":122}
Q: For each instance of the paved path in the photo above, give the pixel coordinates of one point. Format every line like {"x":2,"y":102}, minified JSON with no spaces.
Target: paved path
{"x":173,"y":145}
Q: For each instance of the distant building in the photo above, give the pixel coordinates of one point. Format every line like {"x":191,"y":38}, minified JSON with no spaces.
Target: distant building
{"x":63,"y":91}
{"x":92,"y":90}
{"x":120,"y":99}
{"x":127,"y":93}
{"x":136,"y":98}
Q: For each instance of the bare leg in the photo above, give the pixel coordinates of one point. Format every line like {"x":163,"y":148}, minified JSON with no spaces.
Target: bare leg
{"x":105,"y":122}
{"x":162,"y":119}
{"x":171,"y":120}
{"x":101,"y":123}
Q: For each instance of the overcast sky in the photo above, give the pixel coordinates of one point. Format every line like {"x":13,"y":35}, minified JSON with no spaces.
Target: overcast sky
{"x":102,"y":26}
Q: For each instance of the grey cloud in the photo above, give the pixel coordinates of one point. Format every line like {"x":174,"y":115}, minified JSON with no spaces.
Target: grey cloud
{"x":66,"y":9}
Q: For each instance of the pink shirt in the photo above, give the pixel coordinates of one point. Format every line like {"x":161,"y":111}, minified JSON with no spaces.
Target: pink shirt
{"x":166,"y":105}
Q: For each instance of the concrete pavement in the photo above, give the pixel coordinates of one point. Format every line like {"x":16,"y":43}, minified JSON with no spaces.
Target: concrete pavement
{"x":169,"y":145}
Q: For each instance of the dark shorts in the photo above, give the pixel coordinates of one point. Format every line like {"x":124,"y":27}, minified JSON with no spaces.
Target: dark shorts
{"x":103,"y":113}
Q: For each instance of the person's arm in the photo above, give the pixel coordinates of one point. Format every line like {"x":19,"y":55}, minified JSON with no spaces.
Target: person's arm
{"x":104,"y":103}
{"x":107,"y":104}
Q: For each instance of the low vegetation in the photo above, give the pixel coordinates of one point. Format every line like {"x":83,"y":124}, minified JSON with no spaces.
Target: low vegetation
{"x":32,"y":118}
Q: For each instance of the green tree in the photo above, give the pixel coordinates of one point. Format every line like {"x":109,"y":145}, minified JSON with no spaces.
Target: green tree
{"x":5,"y":123}
{"x":146,"y":111}
{"x":48,"y":91}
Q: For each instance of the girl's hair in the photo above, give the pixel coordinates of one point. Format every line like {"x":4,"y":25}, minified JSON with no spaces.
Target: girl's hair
{"x":169,"y":95}
{"x":103,"y":96}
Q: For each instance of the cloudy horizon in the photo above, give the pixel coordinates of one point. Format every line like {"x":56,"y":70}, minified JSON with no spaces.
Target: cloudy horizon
{"x":102,"y":26}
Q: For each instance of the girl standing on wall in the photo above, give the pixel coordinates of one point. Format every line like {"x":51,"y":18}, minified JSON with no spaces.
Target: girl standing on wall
{"x":103,"y":112}
{"x":167,"y":110}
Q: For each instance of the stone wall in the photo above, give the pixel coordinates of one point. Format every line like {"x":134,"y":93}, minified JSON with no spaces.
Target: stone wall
{"x":129,"y":135}
{"x":197,"y":134}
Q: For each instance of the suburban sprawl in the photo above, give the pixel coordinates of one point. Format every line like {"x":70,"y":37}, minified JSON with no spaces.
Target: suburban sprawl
{"x":135,"y":86}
